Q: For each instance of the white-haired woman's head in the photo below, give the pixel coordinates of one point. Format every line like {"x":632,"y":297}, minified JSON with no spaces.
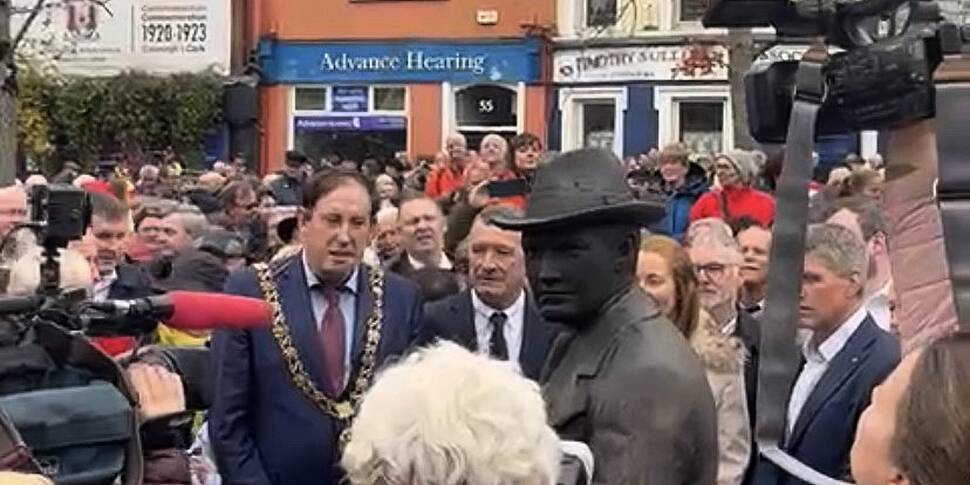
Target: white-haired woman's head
{"x":446,"y":416}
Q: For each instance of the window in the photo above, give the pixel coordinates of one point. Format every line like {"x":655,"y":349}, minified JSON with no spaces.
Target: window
{"x":389,"y":98}
{"x":702,"y":125}
{"x":348,"y":121}
{"x":599,"y":124}
{"x":593,"y":117}
{"x":486,"y":108}
{"x":311,"y":99}
{"x":697,"y":115}
{"x":692,"y":10}
{"x":600,"y":13}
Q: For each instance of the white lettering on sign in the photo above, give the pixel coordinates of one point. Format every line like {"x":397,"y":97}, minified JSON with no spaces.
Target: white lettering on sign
{"x":782,"y":53}
{"x":413,"y":60}
{"x":658,"y":62}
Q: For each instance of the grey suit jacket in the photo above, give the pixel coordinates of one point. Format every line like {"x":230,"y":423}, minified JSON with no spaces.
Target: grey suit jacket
{"x":630,"y":387}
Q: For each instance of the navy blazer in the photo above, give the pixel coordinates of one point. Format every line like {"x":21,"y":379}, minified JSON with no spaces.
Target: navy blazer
{"x":454,"y":319}
{"x":133,"y":282}
{"x":825,"y":430}
{"x":264,"y":431}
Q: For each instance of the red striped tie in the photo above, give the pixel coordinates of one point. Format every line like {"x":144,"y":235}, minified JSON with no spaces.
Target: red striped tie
{"x":332,"y":340}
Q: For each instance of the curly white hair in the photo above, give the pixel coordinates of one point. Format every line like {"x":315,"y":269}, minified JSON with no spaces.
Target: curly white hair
{"x":446,"y":416}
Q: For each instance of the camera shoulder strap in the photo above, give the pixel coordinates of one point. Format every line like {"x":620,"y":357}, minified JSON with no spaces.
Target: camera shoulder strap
{"x":952,"y":79}
{"x":778,"y":366}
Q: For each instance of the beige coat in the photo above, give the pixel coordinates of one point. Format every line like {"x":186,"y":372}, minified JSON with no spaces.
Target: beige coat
{"x":723,"y":358}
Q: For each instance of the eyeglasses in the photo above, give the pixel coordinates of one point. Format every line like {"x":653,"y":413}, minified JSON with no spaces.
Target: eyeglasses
{"x":712,"y":270}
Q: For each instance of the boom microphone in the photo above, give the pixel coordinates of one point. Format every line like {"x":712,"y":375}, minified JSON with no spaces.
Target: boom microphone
{"x":191,"y":310}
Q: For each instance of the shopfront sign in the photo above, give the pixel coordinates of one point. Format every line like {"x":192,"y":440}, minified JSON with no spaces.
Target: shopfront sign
{"x":641,"y":63}
{"x":782,"y":53}
{"x":350,"y":99}
{"x":349,"y":123}
{"x":156,"y":36}
{"x":458,"y":62}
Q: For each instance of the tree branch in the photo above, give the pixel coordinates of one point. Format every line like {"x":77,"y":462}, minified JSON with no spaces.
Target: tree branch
{"x":23,"y":28}
{"x":35,"y":11}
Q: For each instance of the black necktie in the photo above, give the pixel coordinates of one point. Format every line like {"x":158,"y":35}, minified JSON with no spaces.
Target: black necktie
{"x":497,"y":346}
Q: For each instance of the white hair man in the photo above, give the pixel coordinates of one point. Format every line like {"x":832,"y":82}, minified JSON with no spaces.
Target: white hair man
{"x":469,"y":420}
{"x":717,"y":263}
{"x":717,"y":260}
{"x":13,"y":208}
{"x":495,"y":152}
{"x":181,"y":229}
{"x":385,"y":247}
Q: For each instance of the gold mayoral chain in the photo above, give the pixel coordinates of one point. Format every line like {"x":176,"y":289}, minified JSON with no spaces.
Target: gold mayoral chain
{"x":341,"y":410}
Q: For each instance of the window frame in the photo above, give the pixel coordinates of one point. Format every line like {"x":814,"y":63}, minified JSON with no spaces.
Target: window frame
{"x":293,"y":112}
{"x":571,"y":101}
{"x":449,"y":110}
{"x":667,"y":101}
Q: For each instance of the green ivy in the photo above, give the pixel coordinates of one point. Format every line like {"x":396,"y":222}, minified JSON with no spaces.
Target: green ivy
{"x":86,"y":119}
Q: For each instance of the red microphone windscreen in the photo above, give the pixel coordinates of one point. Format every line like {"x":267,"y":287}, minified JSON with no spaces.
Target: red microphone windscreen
{"x":202,"y":311}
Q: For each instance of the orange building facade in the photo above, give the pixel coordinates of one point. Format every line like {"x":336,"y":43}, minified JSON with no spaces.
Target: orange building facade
{"x":374,"y":78}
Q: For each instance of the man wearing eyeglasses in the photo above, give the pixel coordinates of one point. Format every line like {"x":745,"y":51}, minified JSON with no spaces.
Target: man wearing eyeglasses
{"x":717,"y":263}
{"x":717,"y":260}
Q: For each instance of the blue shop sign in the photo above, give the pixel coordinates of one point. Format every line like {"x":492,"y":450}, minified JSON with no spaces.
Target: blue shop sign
{"x":388,"y":62}
{"x":303,"y":124}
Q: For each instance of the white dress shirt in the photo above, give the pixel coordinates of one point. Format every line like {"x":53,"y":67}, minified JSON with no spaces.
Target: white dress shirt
{"x":348,"y":306}
{"x":512,"y":329}
{"x":443,"y":263}
{"x":817,"y":361}
{"x":878,"y":305}
{"x":102,"y":287}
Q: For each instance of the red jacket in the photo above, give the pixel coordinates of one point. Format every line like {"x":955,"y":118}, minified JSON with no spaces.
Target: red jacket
{"x":738,"y":202}
{"x":442,"y":181}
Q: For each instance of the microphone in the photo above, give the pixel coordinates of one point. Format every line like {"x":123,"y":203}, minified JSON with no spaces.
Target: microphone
{"x":192,"y":310}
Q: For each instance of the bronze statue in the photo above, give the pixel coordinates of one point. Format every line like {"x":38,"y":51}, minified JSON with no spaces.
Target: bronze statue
{"x":621,"y":379}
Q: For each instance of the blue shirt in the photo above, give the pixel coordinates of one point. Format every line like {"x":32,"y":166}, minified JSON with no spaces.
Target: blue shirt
{"x":348,"y":307}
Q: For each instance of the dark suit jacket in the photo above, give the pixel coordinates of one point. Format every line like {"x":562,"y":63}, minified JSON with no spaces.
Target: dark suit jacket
{"x":402,"y":266}
{"x":133,"y":282}
{"x":748,"y":330}
{"x":264,"y":431}
{"x":454,"y":319}
{"x":825,"y":430}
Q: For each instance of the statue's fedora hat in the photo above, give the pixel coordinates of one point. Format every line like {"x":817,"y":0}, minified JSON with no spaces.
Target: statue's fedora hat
{"x":582,"y":186}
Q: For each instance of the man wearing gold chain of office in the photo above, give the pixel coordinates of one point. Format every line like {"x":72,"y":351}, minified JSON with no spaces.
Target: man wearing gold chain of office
{"x":287,"y":393}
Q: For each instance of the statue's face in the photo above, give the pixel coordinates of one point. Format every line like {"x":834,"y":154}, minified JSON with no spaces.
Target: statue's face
{"x":573,"y":272}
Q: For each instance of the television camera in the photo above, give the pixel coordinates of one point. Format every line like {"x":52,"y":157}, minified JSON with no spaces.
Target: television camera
{"x":875,"y":65}
{"x":66,"y":409}
{"x":881,"y":76}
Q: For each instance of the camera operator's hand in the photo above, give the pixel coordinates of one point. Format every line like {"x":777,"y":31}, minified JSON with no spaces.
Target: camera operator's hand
{"x":11,"y":478}
{"x":160,"y":392}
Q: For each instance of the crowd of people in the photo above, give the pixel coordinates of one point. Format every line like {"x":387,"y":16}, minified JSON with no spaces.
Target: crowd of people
{"x":437,"y":325}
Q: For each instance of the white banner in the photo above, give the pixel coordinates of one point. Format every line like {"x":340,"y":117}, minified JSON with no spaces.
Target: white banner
{"x":642,"y":63}
{"x":81,"y":37}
